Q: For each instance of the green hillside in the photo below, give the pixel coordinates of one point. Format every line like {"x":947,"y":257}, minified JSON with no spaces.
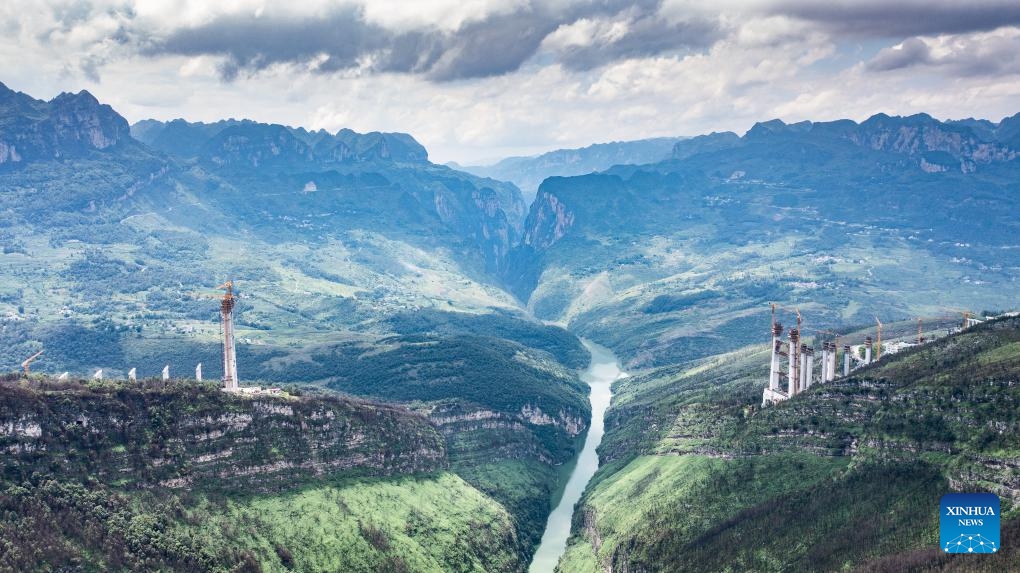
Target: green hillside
{"x":845,"y":476}
{"x":106,"y":476}
{"x":667,"y":262}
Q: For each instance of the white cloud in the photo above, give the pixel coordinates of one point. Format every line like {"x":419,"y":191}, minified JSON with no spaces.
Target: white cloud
{"x":763,"y":64}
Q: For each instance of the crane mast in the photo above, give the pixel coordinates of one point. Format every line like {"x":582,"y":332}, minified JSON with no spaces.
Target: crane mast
{"x":227,"y":304}
{"x":878,"y":348}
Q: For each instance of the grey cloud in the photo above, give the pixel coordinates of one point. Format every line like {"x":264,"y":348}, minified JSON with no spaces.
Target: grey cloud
{"x":911,"y":53}
{"x":964,"y":57}
{"x":901,"y":19}
{"x":253,"y":43}
{"x":494,"y":46}
{"x":647,"y":35}
{"x":497,"y":44}
{"x":90,"y":67}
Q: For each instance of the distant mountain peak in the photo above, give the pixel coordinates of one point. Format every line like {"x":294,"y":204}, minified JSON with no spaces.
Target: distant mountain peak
{"x":83,"y":96}
{"x":766,"y":127}
{"x":954,"y":145}
{"x":205,"y":140}
{"x":529,"y":172}
{"x":70,"y":124}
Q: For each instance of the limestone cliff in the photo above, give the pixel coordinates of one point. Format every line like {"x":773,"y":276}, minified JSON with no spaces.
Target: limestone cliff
{"x":68,"y":125}
{"x":191,"y":433}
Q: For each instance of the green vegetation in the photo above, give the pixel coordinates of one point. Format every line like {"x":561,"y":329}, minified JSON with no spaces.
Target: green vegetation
{"x":486,"y":371}
{"x":193,"y":434}
{"x":183,"y":476}
{"x":847,"y":475}
{"x":57,"y":525}
{"x":526,"y":488}
{"x":425,"y":523}
{"x":565,"y":347}
{"x":669,"y":262}
{"x":433,"y":522}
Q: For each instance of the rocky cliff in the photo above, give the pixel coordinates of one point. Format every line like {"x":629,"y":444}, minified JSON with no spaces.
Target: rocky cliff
{"x":188,"y":434}
{"x":379,"y":175}
{"x":69,"y":125}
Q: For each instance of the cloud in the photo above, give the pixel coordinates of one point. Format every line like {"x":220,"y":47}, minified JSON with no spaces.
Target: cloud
{"x":344,"y":40}
{"x":479,"y":79}
{"x":252,"y":41}
{"x":994,"y":53}
{"x":634,"y":33}
{"x":912,"y":52}
{"x":902,"y":18}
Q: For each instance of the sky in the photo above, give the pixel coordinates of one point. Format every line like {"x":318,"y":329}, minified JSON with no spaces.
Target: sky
{"x":478,"y":80}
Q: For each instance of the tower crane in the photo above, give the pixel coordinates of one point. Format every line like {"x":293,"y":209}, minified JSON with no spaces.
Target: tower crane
{"x":229,"y":354}
{"x":878,"y":349}
{"x":30,"y":360}
{"x":966,"y":315}
{"x":228,"y":301}
{"x":794,"y":310}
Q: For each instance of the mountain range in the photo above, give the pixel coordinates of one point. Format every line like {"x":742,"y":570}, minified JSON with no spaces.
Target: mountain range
{"x":431,"y":318}
{"x":898,"y":216}
{"x":529,"y":172}
{"x":353,"y":256}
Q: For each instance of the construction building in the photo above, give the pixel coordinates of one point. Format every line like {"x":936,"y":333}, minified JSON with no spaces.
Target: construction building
{"x":799,"y":374}
{"x":227,"y":304}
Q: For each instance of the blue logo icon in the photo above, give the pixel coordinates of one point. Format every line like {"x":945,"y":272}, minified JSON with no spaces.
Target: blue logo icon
{"x":969,"y":523}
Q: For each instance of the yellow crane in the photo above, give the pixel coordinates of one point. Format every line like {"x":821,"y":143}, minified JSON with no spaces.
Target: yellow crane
{"x":30,"y":360}
{"x":878,"y":350}
{"x":966,"y":315}
{"x":794,"y":310}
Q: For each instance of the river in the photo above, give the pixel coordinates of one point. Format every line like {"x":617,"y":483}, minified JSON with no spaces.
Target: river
{"x":599,"y":375}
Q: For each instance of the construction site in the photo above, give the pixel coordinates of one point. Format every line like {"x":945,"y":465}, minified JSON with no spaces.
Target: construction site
{"x":230,"y":380}
{"x":792,"y":368}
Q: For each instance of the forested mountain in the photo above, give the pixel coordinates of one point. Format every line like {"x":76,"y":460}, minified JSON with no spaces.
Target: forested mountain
{"x":698,"y":476}
{"x":322,"y":231}
{"x":366,"y":272}
{"x":665,"y":262}
{"x":352,"y":254}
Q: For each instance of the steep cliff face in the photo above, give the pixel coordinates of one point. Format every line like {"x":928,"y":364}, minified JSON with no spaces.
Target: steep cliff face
{"x":475,"y":433}
{"x":185,"y":477}
{"x":548,"y":221}
{"x":377,"y":175}
{"x":69,"y":125}
{"x":191,"y":434}
{"x":918,"y":134}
